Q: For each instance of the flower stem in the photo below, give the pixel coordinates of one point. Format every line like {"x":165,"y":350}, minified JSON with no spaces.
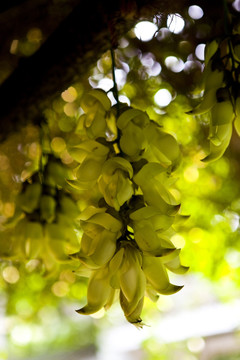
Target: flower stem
{"x":115,"y":89}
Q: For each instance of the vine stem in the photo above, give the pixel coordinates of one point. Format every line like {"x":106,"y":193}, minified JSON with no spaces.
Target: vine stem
{"x":115,"y":89}
{"x":41,"y":166}
{"x":226,"y":24}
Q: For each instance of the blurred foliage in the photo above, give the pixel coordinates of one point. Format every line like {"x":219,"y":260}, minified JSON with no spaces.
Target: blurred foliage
{"x":39,"y":294}
{"x":231,"y":357}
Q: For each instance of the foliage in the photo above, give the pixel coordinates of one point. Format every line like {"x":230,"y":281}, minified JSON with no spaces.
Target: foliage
{"x":90,"y":199}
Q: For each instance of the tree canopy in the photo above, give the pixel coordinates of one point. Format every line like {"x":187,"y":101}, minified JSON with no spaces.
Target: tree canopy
{"x":119,"y":147}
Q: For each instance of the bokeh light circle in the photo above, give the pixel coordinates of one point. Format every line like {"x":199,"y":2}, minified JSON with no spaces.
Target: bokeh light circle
{"x":145,"y":30}
{"x":195,"y":12}
{"x":162,"y":97}
{"x":175,"y":23}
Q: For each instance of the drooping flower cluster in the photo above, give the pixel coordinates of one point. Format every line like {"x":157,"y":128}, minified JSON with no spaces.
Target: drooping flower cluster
{"x":124,"y":165}
{"x":221,"y":99}
{"x":44,"y":222}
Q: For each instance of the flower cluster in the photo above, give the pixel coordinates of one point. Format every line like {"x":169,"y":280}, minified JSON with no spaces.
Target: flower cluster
{"x":125,"y":164}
